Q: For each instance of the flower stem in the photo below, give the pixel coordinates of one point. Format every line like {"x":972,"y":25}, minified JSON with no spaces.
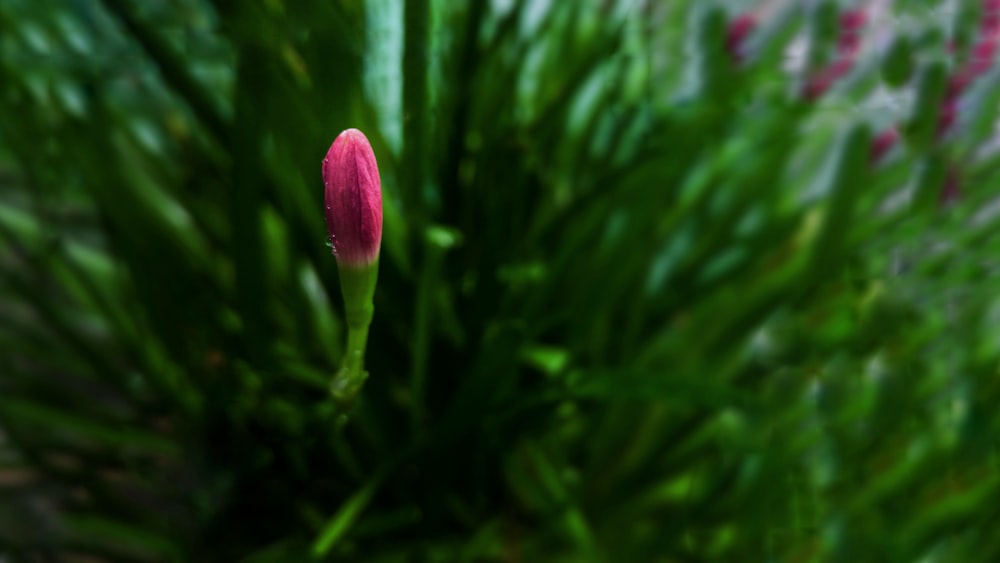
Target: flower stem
{"x":357,"y":341}
{"x":352,"y":374}
{"x":358,"y":287}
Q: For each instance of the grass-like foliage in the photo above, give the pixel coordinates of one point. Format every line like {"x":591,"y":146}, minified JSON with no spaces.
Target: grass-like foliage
{"x":660,"y":281}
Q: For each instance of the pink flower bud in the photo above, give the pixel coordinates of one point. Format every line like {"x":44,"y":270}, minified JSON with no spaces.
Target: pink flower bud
{"x":853,"y":20}
{"x":353,"y":200}
{"x":849,"y":44}
{"x":983,"y":54}
{"x":852,"y":23}
{"x":990,"y":25}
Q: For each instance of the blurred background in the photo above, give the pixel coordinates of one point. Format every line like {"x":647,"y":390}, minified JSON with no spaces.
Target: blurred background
{"x":661,"y":281}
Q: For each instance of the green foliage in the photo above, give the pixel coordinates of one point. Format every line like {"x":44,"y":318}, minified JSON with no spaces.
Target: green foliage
{"x":638,"y":300}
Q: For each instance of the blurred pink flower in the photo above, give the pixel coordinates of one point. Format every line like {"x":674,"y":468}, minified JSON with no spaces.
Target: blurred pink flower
{"x":736,"y":36}
{"x":882,"y":144}
{"x":851,"y":28}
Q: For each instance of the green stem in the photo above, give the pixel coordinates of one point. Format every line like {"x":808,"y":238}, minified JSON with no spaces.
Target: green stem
{"x":352,"y":374}
{"x":358,"y":288}
{"x":421,"y":337}
{"x":357,"y":341}
{"x":416,"y":47}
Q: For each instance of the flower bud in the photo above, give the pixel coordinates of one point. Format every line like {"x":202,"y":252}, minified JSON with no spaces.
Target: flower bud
{"x":353,"y":200}
{"x":990,"y":24}
{"x":983,"y":54}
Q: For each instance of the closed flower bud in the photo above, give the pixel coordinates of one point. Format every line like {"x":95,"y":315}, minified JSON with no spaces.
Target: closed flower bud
{"x":353,"y":200}
{"x":852,"y":23}
{"x":354,"y":218}
{"x":983,"y":54}
{"x":990,"y":24}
